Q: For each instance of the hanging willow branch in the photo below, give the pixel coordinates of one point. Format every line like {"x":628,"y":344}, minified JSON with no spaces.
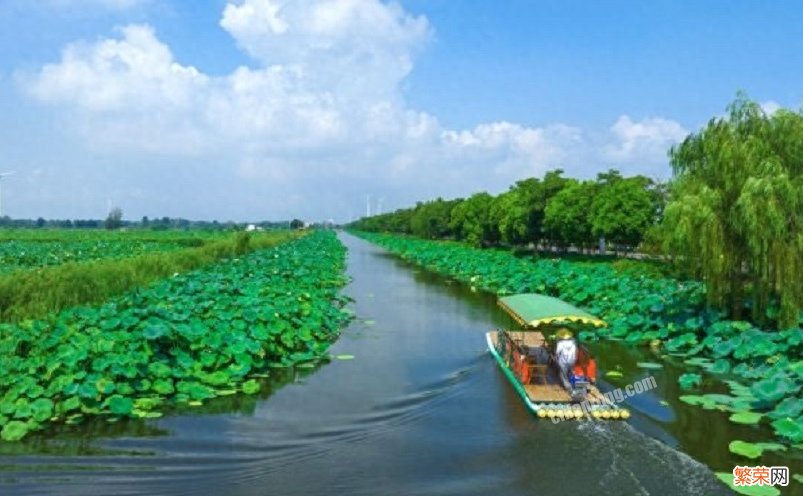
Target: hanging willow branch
{"x":736,"y":212}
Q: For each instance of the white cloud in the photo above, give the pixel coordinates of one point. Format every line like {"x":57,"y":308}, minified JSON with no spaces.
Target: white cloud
{"x":136,"y":72}
{"x":645,"y":141}
{"x":770,"y":107}
{"x":320,"y":116}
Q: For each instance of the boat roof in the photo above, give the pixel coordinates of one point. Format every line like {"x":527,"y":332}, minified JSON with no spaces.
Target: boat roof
{"x":533,"y":310}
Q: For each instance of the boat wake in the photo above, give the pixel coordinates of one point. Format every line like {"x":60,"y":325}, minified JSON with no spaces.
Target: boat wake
{"x":188,"y":460}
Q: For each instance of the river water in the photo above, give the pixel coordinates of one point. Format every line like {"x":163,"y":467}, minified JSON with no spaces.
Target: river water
{"x":421,"y":409}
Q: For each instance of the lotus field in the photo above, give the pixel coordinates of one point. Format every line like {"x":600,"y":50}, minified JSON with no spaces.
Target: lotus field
{"x":17,"y":255}
{"x":30,"y":249}
{"x":180,"y":341}
{"x":762,"y":370}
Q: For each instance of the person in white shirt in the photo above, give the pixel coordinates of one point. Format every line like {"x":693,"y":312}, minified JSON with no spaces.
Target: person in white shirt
{"x":565,"y":355}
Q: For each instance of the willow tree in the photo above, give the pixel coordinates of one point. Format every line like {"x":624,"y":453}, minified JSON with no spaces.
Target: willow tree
{"x":735,"y":215}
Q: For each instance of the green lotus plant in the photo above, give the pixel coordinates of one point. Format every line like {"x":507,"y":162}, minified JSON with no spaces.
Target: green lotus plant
{"x":185,"y":339}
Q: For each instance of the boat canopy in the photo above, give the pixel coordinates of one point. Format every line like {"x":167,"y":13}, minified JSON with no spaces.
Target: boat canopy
{"x":533,"y":310}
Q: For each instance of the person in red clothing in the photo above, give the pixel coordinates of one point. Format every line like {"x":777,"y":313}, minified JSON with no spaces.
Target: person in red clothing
{"x":585,"y":365}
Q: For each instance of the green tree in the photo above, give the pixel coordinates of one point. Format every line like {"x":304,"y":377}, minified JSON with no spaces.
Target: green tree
{"x":735,"y":217}
{"x":509,"y":215}
{"x":471,"y":220}
{"x":296,"y":224}
{"x":115,"y":219}
{"x":519,"y":213}
{"x":623,"y":210}
{"x":566,"y":217}
{"x":432,"y":219}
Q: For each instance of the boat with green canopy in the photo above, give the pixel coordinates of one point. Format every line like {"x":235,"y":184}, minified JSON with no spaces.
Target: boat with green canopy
{"x":553,"y":373}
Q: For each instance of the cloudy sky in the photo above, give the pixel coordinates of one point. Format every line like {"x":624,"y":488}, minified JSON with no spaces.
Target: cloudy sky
{"x":270,"y":109}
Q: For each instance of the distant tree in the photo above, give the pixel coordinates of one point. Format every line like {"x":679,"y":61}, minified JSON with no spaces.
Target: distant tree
{"x":115,"y":219}
{"x":609,"y":177}
{"x":622,"y":211}
{"x":510,"y":216}
{"x":566,"y":217}
{"x":296,"y":224}
{"x":735,"y":216}
{"x":432,"y":219}
{"x":472,"y":222}
{"x":40,"y":222}
{"x":145,"y":221}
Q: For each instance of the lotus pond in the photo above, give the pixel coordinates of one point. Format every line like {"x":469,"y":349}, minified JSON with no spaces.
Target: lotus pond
{"x":755,"y":376}
{"x":412,"y":404}
{"x":406,"y":401}
{"x":187,"y":339}
{"x":17,"y":255}
{"x":22,"y":249}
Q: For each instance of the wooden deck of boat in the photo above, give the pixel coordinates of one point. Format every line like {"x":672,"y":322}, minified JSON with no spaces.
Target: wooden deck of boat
{"x":555,"y":393}
{"x":551,"y":392}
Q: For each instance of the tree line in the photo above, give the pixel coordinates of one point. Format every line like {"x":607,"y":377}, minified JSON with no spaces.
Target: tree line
{"x":732,"y":214}
{"x":115,"y":221}
{"x":551,"y":212}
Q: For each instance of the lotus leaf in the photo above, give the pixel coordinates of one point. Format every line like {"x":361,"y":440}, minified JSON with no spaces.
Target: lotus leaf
{"x":688,"y":381}
{"x":163,"y":386}
{"x":41,"y":409}
{"x":120,"y":405}
{"x":251,"y":387}
{"x":748,"y":450}
{"x":727,"y":479}
{"x":14,"y":430}
{"x":649,"y":365}
{"x":773,"y":388}
{"x":721,"y":366}
{"x":698,"y":361}
{"x":789,"y":407}
{"x":748,"y":418}
{"x":155,"y":331}
{"x":760,"y":344}
{"x":789,"y":429}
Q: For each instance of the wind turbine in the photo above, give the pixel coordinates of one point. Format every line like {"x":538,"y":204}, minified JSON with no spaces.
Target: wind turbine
{"x":2,"y":175}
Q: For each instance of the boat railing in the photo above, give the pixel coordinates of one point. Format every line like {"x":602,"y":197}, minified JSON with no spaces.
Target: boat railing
{"x":525,"y":361}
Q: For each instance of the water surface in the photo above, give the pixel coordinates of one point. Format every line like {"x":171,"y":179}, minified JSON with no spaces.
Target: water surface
{"x":421,"y":409}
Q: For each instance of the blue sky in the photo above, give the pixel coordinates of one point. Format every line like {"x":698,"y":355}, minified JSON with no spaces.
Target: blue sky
{"x":589,"y":62}
{"x":269,"y":109}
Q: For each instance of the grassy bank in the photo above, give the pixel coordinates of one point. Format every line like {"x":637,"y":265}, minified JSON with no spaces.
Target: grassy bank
{"x":35,"y":293}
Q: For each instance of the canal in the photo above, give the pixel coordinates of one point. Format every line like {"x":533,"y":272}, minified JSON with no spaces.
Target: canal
{"x":414,"y":405}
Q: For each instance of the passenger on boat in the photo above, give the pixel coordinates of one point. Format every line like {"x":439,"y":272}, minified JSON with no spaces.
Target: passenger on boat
{"x":585,"y":367}
{"x":565,"y":355}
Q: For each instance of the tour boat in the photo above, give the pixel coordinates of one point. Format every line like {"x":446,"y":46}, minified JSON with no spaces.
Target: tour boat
{"x":528,"y":360}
